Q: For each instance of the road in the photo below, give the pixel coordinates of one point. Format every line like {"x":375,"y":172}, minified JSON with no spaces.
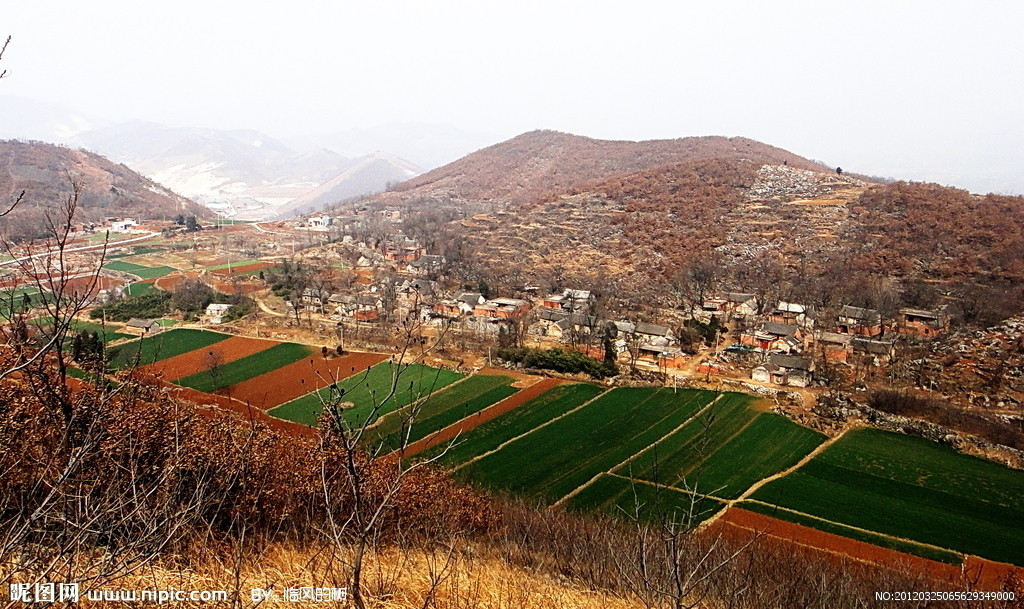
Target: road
{"x":83,"y":248}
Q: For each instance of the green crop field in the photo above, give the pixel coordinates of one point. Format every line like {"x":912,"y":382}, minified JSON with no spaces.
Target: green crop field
{"x":162,"y":346}
{"x":373,"y":393}
{"x":138,"y":251}
{"x":913,"y":489}
{"x":552,"y":461}
{"x":138,"y":289}
{"x":233,"y":265}
{"x":442,"y":409}
{"x":246,"y":368}
{"x":636,"y":500}
{"x":144,"y":272}
{"x":725,"y":450}
{"x":487,"y":437}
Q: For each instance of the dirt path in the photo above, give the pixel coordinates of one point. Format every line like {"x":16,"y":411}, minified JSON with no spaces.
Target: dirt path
{"x":546,"y":423}
{"x":491,"y":412}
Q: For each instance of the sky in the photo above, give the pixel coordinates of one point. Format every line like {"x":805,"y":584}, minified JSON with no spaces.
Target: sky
{"x":916,"y":90}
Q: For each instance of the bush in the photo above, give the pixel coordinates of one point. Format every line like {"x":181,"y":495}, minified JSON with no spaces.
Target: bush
{"x":147,"y":306}
{"x":560,"y":360}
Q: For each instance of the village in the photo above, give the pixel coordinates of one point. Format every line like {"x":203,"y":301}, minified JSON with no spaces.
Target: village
{"x":358,"y":277}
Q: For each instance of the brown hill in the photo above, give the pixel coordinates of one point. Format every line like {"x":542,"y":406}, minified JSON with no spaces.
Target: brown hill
{"x":545,"y":163}
{"x":44,"y":172}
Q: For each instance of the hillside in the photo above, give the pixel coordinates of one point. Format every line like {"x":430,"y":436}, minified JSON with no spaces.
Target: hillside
{"x":108,"y":189}
{"x":542,"y":163}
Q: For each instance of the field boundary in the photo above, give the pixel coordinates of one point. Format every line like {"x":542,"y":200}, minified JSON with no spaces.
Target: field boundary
{"x":852,"y":527}
{"x":417,"y":402}
{"x":745,"y":496}
{"x":522,"y":435}
{"x":615,"y":468}
{"x":490,"y":413}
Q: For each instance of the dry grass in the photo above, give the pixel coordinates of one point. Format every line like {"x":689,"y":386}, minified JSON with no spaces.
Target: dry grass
{"x":396,"y":579}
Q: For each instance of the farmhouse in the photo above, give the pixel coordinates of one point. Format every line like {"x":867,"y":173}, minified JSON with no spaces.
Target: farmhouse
{"x":862,"y":322}
{"x":791,"y":313}
{"x":784,"y":370}
{"x":772,"y":336}
{"x":143,"y":326}
{"x":919,"y":322}
{"x":834,"y":347}
{"x":215,"y":312}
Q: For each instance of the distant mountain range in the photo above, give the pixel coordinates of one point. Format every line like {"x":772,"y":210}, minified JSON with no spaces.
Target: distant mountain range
{"x":244,"y":173}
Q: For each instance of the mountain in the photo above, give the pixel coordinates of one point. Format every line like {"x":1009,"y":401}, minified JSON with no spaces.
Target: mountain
{"x":427,"y":145}
{"x":540,"y":163}
{"x":43,"y":172}
{"x":28,"y":119}
{"x":638,"y":217}
{"x":365,"y":175}
{"x":243,"y":173}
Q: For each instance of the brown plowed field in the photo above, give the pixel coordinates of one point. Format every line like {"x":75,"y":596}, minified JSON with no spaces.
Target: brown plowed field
{"x":192,"y":362}
{"x":167,"y":283}
{"x":304,"y":376}
{"x":491,"y":412}
{"x":990,"y":575}
{"x":247,"y":413}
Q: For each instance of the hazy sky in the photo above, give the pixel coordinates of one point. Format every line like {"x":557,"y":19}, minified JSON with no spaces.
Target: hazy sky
{"x":925,"y":90}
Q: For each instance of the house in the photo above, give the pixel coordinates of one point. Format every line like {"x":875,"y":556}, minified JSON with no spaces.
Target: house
{"x":123,"y":226}
{"x":570,"y":300}
{"x":427,"y":264}
{"x":504,"y":308}
{"x":215,"y":312}
{"x":919,"y":322}
{"x":792,"y":313}
{"x":315,"y":298}
{"x":321,"y":221}
{"x":834,"y":347}
{"x":784,"y":370}
{"x":146,"y":327}
{"x":858,"y":321}
{"x":877,"y":352}
{"x":730,"y":304}
{"x":773,"y":336}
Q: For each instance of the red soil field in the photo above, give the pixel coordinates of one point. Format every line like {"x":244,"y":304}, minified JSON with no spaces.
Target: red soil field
{"x":295,"y":380}
{"x":491,"y":412}
{"x":195,"y":361}
{"x":247,"y":413}
{"x":102,"y":283}
{"x":169,"y":282}
{"x":989,"y":575}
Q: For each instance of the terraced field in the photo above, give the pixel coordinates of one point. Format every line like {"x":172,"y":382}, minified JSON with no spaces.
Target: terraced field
{"x":908,"y":488}
{"x":554,"y":460}
{"x":380,"y":390}
{"x":442,"y":409}
{"x":144,"y":272}
{"x":162,"y":346}
{"x":522,"y":420}
{"x":251,"y":366}
{"x":726,"y":450}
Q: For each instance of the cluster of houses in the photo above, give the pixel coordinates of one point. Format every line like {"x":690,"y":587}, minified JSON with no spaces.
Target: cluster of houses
{"x":792,"y":336}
